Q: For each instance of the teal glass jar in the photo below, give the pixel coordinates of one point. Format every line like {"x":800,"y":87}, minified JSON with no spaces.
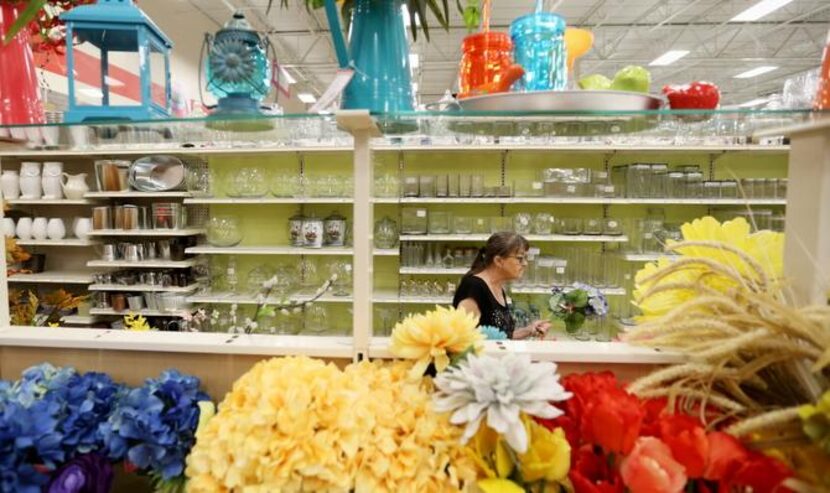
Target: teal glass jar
{"x":539,"y":47}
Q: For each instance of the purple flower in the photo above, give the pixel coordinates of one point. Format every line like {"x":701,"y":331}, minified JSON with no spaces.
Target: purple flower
{"x":90,"y":473}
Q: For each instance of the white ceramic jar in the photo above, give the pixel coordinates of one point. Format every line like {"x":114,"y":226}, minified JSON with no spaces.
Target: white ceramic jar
{"x":30,"y":185}
{"x":8,"y":227}
{"x":39,"y":226}
{"x":51,"y":180}
{"x":56,"y":229}
{"x":24,"y":228}
{"x":10,"y":184}
{"x":81,"y":227}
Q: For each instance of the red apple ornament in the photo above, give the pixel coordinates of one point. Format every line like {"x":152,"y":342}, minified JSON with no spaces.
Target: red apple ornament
{"x":694,"y":96}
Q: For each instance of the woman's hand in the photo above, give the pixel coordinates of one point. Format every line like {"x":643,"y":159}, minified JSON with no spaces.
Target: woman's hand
{"x":537,"y":329}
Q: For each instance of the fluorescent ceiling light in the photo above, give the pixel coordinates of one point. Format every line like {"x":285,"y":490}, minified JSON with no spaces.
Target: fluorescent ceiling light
{"x":307,"y":97}
{"x":760,"y":9}
{"x":756,"y":72}
{"x":93,"y":93}
{"x":668,"y":58}
{"x":414,"y":61}
{"x":113,"y":82}
{"x":754,"y":102}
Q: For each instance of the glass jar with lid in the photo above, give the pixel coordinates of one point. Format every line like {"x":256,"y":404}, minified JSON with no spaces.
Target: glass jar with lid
{"x":676,"y":187}
{"x":334,"y":230}
{"x":295,"y":230}
{"x":694,"y":181}
{"x":312,"y":232}
{"x":729,"y":189}
{"x":711,"y":189}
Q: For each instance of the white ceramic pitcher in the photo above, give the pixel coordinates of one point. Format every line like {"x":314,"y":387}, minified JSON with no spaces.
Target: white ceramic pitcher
{"x":74,"y":186}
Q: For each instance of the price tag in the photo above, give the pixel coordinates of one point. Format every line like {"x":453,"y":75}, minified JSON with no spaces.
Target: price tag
{"x":338,"y":84}
{"x":571,"y":189}
{"x":348,"y":267}
{"x":421,"y":213}
{"x":537,"y":185}
{"x":411,"y":180}
{"x":560,"y":270}
{"x":534,"y":251}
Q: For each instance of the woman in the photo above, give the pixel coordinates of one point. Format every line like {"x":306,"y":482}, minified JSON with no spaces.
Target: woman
{"x":481,"y":291}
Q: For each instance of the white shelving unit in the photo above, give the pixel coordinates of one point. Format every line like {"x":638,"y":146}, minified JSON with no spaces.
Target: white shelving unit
{"x":577,"y":201}
{"x":268,"y":200}
{"x":387,"y":252}
{"x":143,"y":264}
{"x":49,"y":202}
{"x":643,"y":257}
{"x":144,"y":288}
{"x":79,"y":320}
{"x":247,"y":299}
{"x":668,"y":148}
{"x":143,"y":312}
{"x":267,"y":250}
{"x":67,"y":242}
{"x":455,"y":271}
{"x":54,"y":277}
{"x":137,"y":195}
{"x":147,"y":233}
{"x":615,"y":291}
{"x":530,"y":238}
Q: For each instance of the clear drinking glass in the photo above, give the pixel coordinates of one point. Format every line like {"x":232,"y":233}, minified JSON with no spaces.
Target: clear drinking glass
{"x":477,"y":186}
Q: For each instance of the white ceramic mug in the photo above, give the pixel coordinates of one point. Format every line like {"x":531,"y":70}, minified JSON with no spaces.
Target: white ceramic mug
{"x":56,"y":229}
{"x":39,"y":226}
{"x":24,"y":228}
{"x":8,"y":227}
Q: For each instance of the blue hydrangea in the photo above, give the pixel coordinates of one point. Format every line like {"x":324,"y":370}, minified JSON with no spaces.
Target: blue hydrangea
{"x":28,"y":433}
{"x":37,"y":380}
{"x":492,"y":333}
{"x":86,"y":402}
{"x":153,"y":426}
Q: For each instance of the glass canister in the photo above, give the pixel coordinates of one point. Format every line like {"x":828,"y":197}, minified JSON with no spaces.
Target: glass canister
{"x":522,"y":223}
{"x":439,"y":222}
{"x":542,"y":223}
{"x":539,"y":47}
{"x":312,"y":232}
{"x":334,"y":228}
{"x":414,"y":220}
{"x":295,"y":230}
{"x":486,"y":64}
{"x":223,"y":231}
{"x":386,"y":233}
{"x":677,"y":185}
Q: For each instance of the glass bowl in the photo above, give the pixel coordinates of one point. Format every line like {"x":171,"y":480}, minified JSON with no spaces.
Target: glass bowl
{"x":224,"y":231}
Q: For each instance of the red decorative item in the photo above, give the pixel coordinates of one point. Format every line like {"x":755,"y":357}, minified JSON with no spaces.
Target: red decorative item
{"x":694,"y":96}
{"x":20,"y":101}
{"x":822,"y":101}
{"x":487,"y":64}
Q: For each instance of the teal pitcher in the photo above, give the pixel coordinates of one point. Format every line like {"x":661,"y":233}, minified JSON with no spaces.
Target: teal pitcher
{"x":378,"y":53}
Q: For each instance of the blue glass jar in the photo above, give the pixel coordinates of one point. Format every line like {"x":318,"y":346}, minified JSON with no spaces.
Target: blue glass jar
{"x":539,"y":47}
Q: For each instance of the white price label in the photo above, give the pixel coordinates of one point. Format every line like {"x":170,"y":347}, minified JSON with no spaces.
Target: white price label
{"x":421,"y":213}
{"x":560,"y":270}
{"x":411,"y":180}
{"x":537,"y":185}
{"x":534,"y":251}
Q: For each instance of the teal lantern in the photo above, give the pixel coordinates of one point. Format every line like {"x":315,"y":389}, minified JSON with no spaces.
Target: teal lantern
{"x":237,"y":68}
{"x":121,"y":36}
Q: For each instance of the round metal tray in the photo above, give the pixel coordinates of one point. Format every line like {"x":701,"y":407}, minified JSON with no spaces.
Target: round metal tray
{"x":565,"y":101}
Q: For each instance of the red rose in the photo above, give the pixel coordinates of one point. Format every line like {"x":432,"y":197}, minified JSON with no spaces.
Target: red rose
{"x":612,"y":420}
{"x":726,"y":454}
{"x":687,"y":440}
{"x":583,"y":386}
{"x":654,"y":409}
{"x":591,"y":472}
{"x":760,"y":474}
{"x":650,"y":468}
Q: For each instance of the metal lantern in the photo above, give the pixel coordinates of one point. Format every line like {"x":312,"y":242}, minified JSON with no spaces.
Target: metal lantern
{"x":120,"y":35}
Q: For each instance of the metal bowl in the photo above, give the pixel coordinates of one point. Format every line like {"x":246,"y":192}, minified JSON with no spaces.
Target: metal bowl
{"x":157,"y":174}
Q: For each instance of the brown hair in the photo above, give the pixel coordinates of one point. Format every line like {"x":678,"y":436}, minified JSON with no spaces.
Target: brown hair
{"x":500,"y":244}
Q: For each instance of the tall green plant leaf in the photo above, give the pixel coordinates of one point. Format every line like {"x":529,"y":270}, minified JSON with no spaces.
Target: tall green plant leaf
{"x":28,"y":15}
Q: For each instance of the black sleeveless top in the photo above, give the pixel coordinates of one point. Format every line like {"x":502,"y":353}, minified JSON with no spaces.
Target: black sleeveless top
{"x":492,"y":312}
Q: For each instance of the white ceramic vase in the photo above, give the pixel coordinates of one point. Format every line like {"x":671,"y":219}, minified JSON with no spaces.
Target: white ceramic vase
{"x":51,"y":180}
{"x":8,"y":227}
{"x":39,"y":226}
{"x":24,"y":228}
{"x":81,"y":227}
{"x":10,"y":184}
{"x":56,"y":229}
{"x":30,"y":186}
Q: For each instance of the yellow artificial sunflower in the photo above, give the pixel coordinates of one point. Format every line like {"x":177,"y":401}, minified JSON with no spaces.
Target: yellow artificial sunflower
{"x":716,"y":245}
{"x":434,"y":336}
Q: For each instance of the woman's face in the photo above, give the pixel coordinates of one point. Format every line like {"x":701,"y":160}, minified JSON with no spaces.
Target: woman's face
{"x":513,"y":266}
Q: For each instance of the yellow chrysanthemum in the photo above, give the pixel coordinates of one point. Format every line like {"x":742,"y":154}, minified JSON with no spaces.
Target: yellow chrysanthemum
{"x":434,"y":336}
{"x":712,"y":241}
{"x":297,"y":424}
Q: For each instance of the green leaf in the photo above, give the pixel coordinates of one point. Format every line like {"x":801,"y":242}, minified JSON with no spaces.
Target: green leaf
{"x":578,"y":298}
{"x":27,"y":16}
{"x":436,"y":11}
{"x":457,"y":358}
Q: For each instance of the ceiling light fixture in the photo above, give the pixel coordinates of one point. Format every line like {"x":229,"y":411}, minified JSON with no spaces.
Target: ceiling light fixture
{"x":760,"y":9}
{"x":307,"y":97}
{"x":756,"y":72}
{"x":668,"y":58}
{"x":414,"y":61}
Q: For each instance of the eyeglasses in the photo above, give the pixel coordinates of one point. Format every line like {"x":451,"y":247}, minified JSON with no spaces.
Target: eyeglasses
{"x":521,"y":258}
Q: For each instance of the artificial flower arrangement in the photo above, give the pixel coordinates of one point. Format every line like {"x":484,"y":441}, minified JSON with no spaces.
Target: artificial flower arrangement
{"x":757,"y":363}
{"x":16,"y":255}
{"x":575,"y":304}
{"x":27,"y":309}
{"x":42,"y":19}
{"x":61,"y":431}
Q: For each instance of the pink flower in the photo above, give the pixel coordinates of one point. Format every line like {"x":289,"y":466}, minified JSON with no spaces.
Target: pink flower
{"x":650,"y":468}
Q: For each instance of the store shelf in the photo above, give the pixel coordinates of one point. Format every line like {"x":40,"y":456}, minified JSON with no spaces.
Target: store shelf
{"x":577,"y":200}
{"x":605,"y":291}
{"x":79,"y":320}
{"x":585,"y":148}
{"x":143,"y":264}
{"x":562,"y":351}
{"x":144,"y":288}
{"x":179,"y":342}
{"x":137,"y":195}
{"x":530,"y":238}
{"x":393,"y":297}
{"x":150,"y":233}
{"x":247,"y":299}
{"x":54,"y":277}
{"x":387,"y":252}
{"x":266,"y":250}
{"x":69,"y":242}
{"x":48,"y":202}
{"x":143,"y":312}
{"x":433,"y":271}
{"x":644,"y":257}
{"x":270,"y":200}
{"x":136,"y":150}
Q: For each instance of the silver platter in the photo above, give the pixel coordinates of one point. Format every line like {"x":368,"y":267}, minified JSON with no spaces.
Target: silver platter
{"x":565,"y":101}
{"x":157,"y":174}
